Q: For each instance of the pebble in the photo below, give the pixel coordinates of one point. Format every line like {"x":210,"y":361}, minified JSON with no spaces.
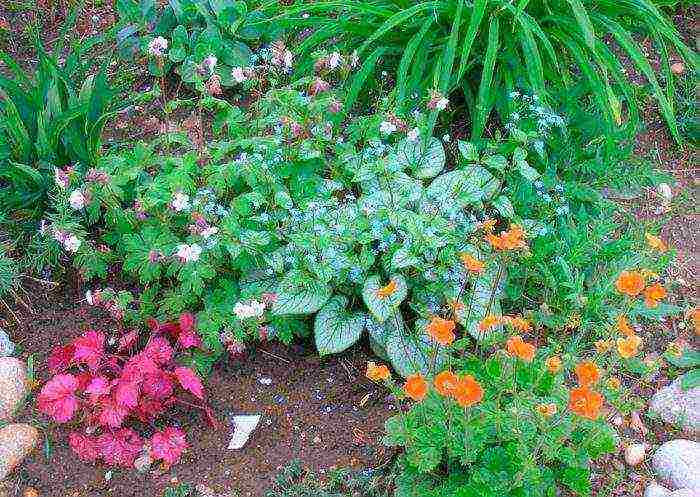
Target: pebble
{"x":678,"y":463}
{"x":13,"y":386}
{"x":265,"y":381}
{"x":677,"y":406}
{"x":7,"y":347}
{"x":635,"y":454}
{"x":665,"y":191}
{"x":678,"y":68}
{"x":16,"y":442}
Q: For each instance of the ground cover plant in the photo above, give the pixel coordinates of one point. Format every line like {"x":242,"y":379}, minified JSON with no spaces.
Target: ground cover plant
{"x":494,"y":276}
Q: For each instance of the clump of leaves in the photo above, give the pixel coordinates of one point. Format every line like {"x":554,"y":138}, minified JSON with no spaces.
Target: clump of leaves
{"x":105,"y":384}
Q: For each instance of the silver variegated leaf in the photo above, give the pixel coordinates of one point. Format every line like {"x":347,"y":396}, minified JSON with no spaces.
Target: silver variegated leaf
{"x":424,"y":160}
{"x":382,"y":307}
{"x":336,"y":329}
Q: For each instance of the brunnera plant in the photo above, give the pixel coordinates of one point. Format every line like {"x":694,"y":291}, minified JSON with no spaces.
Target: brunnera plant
{"x":106,"y":386}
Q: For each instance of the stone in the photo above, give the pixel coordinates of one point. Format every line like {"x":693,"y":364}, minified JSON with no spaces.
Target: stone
{"x":678,"y":68}
{"x":16,"y":442}
{"x":656,"y":490}
{"x":677,"y":406}
{"x":243,"y":428}
{"x":665,"y":191}
{"x":13,"y":386}
{"x":685,"y":492}
{"x":7,"y":347}
{"x":635,"y":454}
{"x":678,"y":463}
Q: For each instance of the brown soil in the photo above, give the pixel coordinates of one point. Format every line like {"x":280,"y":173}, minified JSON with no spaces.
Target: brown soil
{"x":312,"y":411}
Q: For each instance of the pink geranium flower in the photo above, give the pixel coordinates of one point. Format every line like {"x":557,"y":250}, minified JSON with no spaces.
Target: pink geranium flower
{"x":168,"y":445}
{"x":57,"y":399}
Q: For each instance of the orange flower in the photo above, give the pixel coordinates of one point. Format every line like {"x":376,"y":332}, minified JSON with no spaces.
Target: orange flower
{"x":511,"y":239}
{"x":553,"y":364}
{"x":377,"y":372}
{"x":517,"y":347}
{"x":656,"y":242}
{"x":585,"y":402}
{"x":456,"y":306}
{"x":695,"y":319}
{"x":614,"y":382}
{"x":488,"y":225}
{"x":490,"y":322}
{"x":387,"y":290}
{"x":587,"y":373}
{"x":653,"y":294}
{"x":630,"y":283}
{"x":624,"y":326}
{"x":441,"y":330}
{"x":471,"y":263}
{"x":468,"y":391}
{"x":602,"y":346}
{"x":629,"y":346}
{"x":445,"y":383}
{"x":518,"y":323}
{"x":547,"y":410}
{"x":416,"y":387}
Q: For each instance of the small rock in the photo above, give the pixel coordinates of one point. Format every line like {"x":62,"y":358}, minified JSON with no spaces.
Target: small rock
{"x":665,"y":191}
{"x":316,"y":440}
{"x":16,"y":442}
{"x":656,"y":490}
{"x":7,"y":347}
{"x":13,"y":386}
{"x":678,"y":463}
{"x":677,"y":406}
{"x":204,"y":491}
{"x":678,"y":68}
{"x":265,"y":381}
{"x":30,"y":492}
{"x":243,"y":427}
{"x":635,"y":453}
{"x":685,"y":492}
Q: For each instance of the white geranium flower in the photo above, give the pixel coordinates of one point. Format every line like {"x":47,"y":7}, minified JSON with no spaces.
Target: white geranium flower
{"x":413,"y":135}
{"x":238,"y":75}
{"x":188,"y":253}
{"x":180,"y":202}
{"x":387,"y":127}
{"x":77,"y":200}
{"x":71,"y":243}
{"x":254,"y":309}
{"x":61,"y":178}
{"x":288,"y":59}
{"x":442,"y":103}
{"x":157,"y":46}
{"x":334,"y":60}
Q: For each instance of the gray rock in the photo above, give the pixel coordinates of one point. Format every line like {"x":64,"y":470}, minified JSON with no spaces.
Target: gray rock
{"x":685,"y":492}
{"x":13,"y":386}
{"x":7,"y":347}
{"x":656,"y":490}
{"x":677,"y":406}
{"x":16,"y":442}
{"x":678,"y":463}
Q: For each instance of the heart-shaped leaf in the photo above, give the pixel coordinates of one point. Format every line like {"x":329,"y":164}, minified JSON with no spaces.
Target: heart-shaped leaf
{"x":381,"y":306}
{"x":336,"y":329}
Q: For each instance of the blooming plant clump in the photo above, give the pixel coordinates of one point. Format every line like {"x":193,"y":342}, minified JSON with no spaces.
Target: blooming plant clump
{"x":104,"y":386}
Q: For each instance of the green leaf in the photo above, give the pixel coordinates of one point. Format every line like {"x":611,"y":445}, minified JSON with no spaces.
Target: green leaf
{"x":504,"y":207}
{"x":300,"y":300}
{"x":335,"y":329}
{"x":425,"y":160}
{"x":468,"y":150}
{"x":382,"y":308}
{"x":403,"y":258}
{"x":411,"y":354}
{"x":483,"y":104}
{"x":690,"y":380}
{"x":689,"y":359}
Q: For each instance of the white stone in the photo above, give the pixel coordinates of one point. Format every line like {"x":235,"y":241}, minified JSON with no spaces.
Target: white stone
{"x":665,"y":191}
{"x":677,"y":406}
{"x":678,"y":463}
{"x":7,"y":347}
{"x":656,"y":490}
{"x":13,"y":386}
{"x":16,"y":442}
{"x":635,"y":453}
{"x":243,"y":428}
{"x":685,"y":492}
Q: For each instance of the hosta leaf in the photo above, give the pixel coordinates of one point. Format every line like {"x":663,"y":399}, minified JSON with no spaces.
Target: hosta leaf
{"x":426,"y":161}
{"x":382,"y":308}
{"x":300,"y":300}
{"x":504,"y":207}
{"x":335,"y":329}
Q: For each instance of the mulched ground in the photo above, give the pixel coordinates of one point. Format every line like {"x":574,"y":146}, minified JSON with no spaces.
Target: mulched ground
{"x":311,"y":411}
